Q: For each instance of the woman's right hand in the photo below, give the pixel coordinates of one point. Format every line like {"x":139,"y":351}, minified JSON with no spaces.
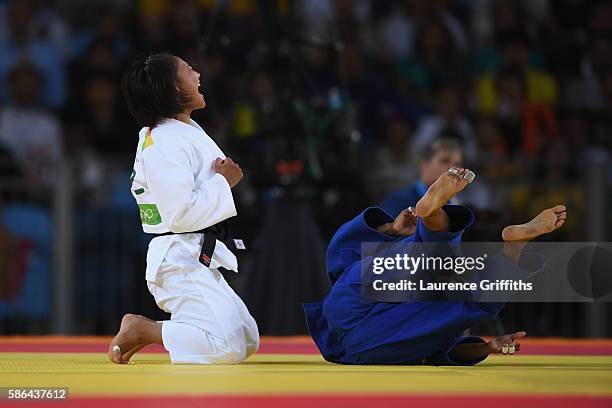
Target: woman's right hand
{"x":228,"y":169}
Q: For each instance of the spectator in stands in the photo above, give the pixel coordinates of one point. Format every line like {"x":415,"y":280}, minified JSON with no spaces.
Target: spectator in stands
{"x":107,"y":28}
{"x":44,"y":24}
{"x":448,"y":117}
{"x":99,"y":119}
{"x":428,"y":69}
{"x":30,"y":132}
{"x":392,"y":167}
{"x":41,"y":51}
{"x":437,"y":157}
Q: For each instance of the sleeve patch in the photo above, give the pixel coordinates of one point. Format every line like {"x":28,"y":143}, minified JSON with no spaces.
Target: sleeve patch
{"x":149,"y":214}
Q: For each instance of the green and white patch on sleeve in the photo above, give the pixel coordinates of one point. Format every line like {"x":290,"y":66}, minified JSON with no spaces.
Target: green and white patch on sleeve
{"x":149,"y":214}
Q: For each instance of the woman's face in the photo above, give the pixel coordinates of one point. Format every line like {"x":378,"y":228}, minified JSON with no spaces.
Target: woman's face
{"x":189,"y":82}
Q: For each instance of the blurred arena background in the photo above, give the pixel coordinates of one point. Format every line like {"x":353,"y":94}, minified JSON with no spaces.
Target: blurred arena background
{"x":325,"y":105}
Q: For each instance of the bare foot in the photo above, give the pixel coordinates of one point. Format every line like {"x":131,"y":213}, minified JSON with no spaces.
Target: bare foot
{"x":545,"y":222}
{"x":131,"y":338}
{"x":127,"y":355}
{"x":507,"y":344}
{"x":442,"y":190}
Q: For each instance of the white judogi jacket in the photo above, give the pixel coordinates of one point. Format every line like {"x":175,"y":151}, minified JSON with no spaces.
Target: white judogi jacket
{"x":177,"y":189}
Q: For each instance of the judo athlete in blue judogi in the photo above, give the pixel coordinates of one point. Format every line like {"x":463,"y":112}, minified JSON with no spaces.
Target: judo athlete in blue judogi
{"x":350,"y":330}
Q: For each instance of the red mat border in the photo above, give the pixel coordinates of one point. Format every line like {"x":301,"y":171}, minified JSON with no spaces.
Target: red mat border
{"x":278,"y":345}
{"x":335,"y":401}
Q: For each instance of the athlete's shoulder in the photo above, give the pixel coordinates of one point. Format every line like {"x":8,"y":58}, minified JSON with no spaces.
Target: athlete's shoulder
{"x":165,"y":136}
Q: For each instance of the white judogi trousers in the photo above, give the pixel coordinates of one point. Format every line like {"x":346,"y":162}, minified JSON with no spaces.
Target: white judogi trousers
{"x":209,"y":322}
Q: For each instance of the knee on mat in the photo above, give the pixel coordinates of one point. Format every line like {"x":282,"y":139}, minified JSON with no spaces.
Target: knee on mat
{"x":252,"y":346}
{"x":234,"y":351}
{"x":235,"y":355}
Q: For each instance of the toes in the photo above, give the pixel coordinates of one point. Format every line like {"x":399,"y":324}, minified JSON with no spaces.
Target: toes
{"x":461,"y":174}
{"x":508,"y":348}
{"x":559,"y":223}
{"x":126,"y":356}
{"x":457,"y":171}
{"x":116,"y":354}
{"x":469,"y":176}
{"x":559,"y":208}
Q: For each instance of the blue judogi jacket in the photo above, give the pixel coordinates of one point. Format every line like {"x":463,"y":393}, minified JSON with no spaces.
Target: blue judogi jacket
{"x":350,"y":330}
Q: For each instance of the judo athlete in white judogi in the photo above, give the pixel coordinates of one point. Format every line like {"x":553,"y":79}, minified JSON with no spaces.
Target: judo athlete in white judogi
{"x":182,"y":183}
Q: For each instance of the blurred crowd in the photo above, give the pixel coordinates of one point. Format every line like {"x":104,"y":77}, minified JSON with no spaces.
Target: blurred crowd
{"x":327,"y":101}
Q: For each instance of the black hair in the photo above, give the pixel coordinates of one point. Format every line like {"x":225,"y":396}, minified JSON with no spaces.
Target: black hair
{"x":150,"y":88}
{"x":444,"y":142}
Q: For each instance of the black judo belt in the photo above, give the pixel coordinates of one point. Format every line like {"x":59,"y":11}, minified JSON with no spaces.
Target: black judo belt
{"x":219,"y":231}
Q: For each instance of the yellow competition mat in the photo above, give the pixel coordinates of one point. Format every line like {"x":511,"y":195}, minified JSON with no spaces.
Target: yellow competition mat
{"x":152,"y":374}
{"x":274,"y":379}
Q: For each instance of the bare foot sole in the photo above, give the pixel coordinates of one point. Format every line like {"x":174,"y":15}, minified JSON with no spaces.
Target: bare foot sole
{"x":545,"y":222}
{"x":442,"y":190}
{"x":129,"y":339}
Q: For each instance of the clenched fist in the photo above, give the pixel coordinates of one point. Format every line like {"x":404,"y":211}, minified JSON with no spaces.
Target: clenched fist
{"x":228,"y":169}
